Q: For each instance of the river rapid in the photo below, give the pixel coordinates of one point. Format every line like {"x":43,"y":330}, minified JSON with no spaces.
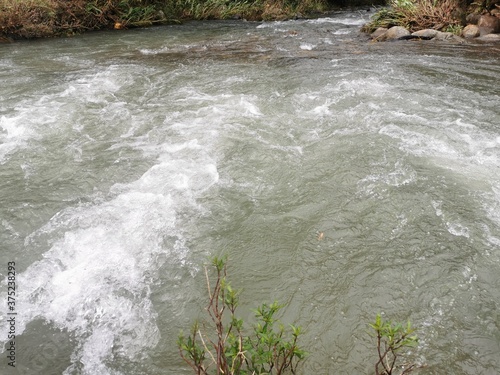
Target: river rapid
{"x":343,"y":178}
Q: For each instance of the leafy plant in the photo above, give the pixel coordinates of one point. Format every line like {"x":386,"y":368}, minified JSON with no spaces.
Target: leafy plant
{"x":454,"y":29}
{"x":403,"y":4}
{"x":226,"y":349}
{"x":392,"y":338}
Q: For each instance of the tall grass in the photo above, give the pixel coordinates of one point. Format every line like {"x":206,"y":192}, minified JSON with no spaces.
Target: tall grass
{"x":39,"y":18}
{"x":27,"y":17}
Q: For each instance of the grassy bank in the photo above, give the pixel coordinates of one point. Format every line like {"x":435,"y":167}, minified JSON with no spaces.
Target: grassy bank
{"x":45,"y":18}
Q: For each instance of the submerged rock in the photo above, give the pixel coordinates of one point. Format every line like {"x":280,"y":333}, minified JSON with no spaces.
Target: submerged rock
{"x":426,"y":33}
{"x":450,"y":37}
{"x":490,"y":38}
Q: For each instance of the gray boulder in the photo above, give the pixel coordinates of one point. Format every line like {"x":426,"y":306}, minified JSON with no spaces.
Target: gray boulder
{"x":378,"y":32}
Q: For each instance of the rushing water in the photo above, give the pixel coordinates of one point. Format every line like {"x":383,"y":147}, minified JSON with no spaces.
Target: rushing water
{"x":342,"y":177}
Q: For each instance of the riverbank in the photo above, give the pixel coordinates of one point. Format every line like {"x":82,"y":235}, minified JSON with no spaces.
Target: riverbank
{"x":425,"y":19}
{"x":26,"y":19}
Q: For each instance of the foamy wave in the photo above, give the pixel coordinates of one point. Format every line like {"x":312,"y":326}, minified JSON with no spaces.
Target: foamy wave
{"x":94,"y":281}
{"x":418,"y":143}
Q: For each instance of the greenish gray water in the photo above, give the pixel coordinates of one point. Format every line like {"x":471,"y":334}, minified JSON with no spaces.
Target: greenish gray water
{"x":128,"y":158}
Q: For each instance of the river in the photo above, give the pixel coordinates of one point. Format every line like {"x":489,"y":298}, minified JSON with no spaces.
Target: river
{"x":343,"y":178}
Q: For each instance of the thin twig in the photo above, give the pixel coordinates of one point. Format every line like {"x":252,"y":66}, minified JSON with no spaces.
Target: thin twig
{"x":205,"y":346}
{"x":208,"y":283}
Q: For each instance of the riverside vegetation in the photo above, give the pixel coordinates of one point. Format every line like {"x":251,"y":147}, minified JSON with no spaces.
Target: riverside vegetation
{"x":444,"y":15}
{"x":43,"y":18}
{"x":223,"y":346}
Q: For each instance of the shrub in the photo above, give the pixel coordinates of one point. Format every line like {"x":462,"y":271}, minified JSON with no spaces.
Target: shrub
{"x":226,"y":349}
{"x":419,"y":14}
{"x":392,"y":338}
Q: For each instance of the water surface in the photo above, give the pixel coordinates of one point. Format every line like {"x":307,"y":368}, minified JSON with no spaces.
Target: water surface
{"x":342,"y":177}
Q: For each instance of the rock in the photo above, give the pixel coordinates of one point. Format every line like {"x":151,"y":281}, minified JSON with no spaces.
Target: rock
{"x":160,"y":15}
{"x":414,"y":37}
{"x":449,"y":37}
{"x":489,"y":24}
{"x":427,"y":33}
{"x":378,"y":32}
{"x":489,"y":38}
{"x":471,"y":31}
{"x":393,"y":33}
{"x":443,"y":36}
{"x":473,"y":18}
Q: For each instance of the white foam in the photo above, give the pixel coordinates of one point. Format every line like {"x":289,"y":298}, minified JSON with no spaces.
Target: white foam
{"x":457,"y":229}
{"x":367,"y":86}
{"x":104,"y":249}
{"x":491,"y":205}
{"x":57,"y":107}
{"x":94,"y":281}
{"x":307,"y":46}
{"x":272,"y":25}
{"x":401,"y":175}
{"x":334,"y":20}
{"x":342,"y":32}
{"x":437,"y":207}
{"x":155,"y":51}
{"x":14,"y":133}
{"x":453,"y":227}
{"x":418,"y":143}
